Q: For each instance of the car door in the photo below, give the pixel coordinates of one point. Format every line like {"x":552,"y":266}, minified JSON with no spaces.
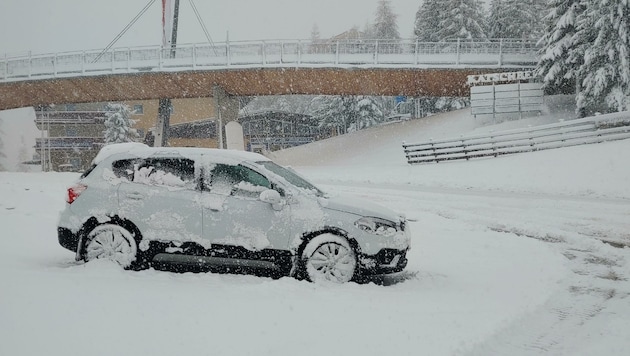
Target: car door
{"x":161,"y":197}
{"x":234,"y":215}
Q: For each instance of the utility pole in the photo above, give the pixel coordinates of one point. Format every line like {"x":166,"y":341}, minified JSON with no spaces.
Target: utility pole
{"x":165,"y":105}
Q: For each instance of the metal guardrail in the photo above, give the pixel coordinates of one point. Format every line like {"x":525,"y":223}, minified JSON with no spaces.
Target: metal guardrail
{"x":272,"y":53}
{"x":596,"y":129}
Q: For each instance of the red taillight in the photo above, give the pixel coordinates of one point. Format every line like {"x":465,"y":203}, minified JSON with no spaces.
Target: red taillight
{"x":74,"y":192}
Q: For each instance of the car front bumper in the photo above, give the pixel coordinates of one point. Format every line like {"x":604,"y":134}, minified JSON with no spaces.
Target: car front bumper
{"x":386,"y":261}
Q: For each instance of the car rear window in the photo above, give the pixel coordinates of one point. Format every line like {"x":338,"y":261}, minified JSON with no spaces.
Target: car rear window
{"x":175,"y":172}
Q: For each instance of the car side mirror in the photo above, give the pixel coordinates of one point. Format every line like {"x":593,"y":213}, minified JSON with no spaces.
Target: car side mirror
{"x":272,"y":197}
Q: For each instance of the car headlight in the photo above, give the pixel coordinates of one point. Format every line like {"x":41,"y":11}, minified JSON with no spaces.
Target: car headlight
{"x":377,"y":226}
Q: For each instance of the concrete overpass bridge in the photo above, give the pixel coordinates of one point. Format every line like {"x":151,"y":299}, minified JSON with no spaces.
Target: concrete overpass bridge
{"x":278,"y":67}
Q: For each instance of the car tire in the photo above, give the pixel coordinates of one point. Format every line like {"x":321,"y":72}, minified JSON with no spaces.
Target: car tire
{"x":112,"y":242}
{"x":329,"y":258}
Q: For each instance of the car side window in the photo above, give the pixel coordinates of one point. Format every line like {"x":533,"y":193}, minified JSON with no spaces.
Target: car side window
{"x":227,"y":179}
{"x":170,"y":172}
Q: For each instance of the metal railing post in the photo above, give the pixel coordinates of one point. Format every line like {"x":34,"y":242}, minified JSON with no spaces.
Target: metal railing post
{"x":30,"y":63}
{"x":228,"y":53}
{"x":83,"y":62}
{"x":128,"y":59}
{"x":263,"y":52}
{"x":55,"y":65}
{"x":194,"y":56}
{"x":160,"y":58}
{"x":337,"y":53}
{"x":299,"y":54}
{"x":113,"y":53}
{"x":415,"y":61}
{"x":376,"y":52}
{"x":6,"y":66}
{"x":500,"y":52}
{"x":458,"y":50}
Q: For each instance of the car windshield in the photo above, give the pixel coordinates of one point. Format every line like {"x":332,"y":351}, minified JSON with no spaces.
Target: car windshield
{"x":291,"y":177}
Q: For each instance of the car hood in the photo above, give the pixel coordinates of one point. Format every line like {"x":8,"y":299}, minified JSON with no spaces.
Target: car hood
{"x":359,"y":207}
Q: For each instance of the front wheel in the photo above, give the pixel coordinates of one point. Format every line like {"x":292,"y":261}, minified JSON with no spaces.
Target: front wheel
{"x":329,"y":258}
{"x":112,"y":242}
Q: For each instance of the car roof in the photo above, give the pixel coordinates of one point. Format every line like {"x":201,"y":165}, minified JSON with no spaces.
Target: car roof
{"x":139,"y":150}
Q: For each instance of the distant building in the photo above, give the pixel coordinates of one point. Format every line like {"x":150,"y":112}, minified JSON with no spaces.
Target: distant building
{"x":72,"y":134}
{"x":271,"y":130}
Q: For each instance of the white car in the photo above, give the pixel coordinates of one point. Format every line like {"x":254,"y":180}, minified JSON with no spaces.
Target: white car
{"x":142,"y":206}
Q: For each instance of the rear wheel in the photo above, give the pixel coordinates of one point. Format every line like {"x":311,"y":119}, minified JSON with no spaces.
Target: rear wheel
{"x":112,"y":242}
{"x":329,"y":258}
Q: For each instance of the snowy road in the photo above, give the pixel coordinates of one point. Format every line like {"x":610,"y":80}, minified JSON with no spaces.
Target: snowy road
{"x":588,"y":313}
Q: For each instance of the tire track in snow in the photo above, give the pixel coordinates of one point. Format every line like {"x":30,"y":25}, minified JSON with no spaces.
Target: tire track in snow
{"x":575,"y":228}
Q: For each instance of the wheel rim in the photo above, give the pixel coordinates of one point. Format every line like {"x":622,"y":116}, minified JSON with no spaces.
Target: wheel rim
{"x":331,"y":262}
{"x":111,"y":242}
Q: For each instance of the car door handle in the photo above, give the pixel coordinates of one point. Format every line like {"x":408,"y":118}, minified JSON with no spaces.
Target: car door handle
{"x":135,"y":196}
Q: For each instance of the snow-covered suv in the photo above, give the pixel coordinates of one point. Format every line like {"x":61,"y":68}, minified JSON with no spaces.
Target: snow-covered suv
{"x":143,"y":206}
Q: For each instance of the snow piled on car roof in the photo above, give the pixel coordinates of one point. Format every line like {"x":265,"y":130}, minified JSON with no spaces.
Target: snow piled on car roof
{"x":203,"y":154}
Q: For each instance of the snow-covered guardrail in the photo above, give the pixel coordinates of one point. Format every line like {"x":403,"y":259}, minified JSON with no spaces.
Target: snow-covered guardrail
{"x":272,"y":53}
{"x":595,"y":129}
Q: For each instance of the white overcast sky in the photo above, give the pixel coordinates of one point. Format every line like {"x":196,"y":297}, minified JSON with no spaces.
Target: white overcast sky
{"x":44,"y":26}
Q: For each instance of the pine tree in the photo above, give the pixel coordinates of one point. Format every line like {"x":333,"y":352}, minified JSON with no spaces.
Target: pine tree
{"x":463,"y":19}
{"x":604,"y":39}
{"x":498,"y":20}
{"x":385,"y":26}
{"x":557,"y":66}
{"x":118,"y":124}
{"x":315,"y":36}
{"x":428,"y":19}
{"x":520,"y":19}
{"x":334,"y":112}
{"x":346,"y":113}
{"x":369,"y":113}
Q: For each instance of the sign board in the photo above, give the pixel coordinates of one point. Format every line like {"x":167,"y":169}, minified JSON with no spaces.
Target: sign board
{"x":506,"y":98}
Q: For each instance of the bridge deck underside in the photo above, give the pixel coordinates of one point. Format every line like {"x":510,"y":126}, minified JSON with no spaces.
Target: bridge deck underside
{"x":239,"y":82}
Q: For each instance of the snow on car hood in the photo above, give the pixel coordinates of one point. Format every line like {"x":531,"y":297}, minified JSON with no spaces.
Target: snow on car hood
{"x":359,"y":206}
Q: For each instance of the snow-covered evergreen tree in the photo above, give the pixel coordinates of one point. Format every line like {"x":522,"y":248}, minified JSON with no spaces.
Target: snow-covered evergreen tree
{"x":557,"y":66}
{"x":462,"y":19}
{"x":346,"y":113}
{"x":385,"y":25}
{"x":369,"y":113}
{"x":428,"y":20}
{"x":603,"y":37}
{"x":335,"y":112}
{"x":521,"y":19}
{"x":118,"y":124}
{"x":498,"y":21}
{"x":315,"y":36}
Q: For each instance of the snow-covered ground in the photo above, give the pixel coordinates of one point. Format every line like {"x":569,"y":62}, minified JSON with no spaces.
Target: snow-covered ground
{"x":507,"y":259}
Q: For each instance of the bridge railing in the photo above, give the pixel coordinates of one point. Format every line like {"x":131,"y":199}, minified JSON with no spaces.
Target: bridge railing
{"x":596,"y":129}
{"x":272,"y":53}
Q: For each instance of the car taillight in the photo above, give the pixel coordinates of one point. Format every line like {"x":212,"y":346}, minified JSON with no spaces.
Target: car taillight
{"x":74,"y":192}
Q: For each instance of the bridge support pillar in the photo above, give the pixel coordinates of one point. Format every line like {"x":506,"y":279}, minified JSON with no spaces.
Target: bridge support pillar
{"x":226,"y":109}
{"x":163,"y":123}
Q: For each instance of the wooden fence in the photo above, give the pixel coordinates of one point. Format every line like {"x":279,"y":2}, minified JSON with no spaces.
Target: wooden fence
{"x":595,"y":129}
